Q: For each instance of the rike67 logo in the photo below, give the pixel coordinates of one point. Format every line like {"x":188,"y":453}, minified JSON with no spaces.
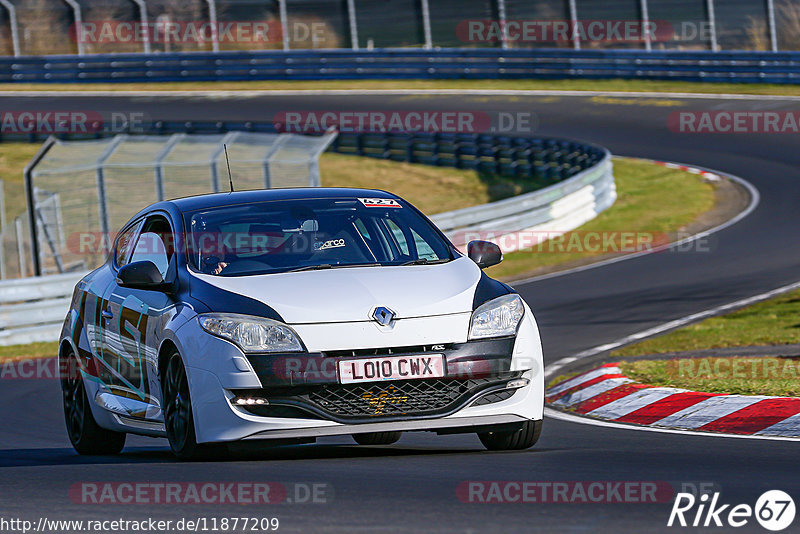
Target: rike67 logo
{"x":774,"y":510}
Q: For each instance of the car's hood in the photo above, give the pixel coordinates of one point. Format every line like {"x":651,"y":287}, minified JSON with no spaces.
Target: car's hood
{"x":352,"y":293}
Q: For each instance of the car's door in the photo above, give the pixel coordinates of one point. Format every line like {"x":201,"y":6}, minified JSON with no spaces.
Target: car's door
{"x":97,"y":307}
{"x":138,"y":318}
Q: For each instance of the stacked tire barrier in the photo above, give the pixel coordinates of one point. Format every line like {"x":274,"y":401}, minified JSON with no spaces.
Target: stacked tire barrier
{"x":406,"y":63}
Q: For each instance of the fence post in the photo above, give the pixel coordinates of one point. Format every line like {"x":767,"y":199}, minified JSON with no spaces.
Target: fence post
{"x":712,"y":25}
{"x":773,"y":30}
{"x":76,"y":13}
{"x":159,"y":160}
{"x":143,"y":18}
{"x":12,"y":20}
{"x":284,"y":23}
{"x":31,"y":198}
{"x":102,"y":200}
{"x":351,"y":19}
{"x":501,"y":20}
{"x":23,"y":266}
{"x":645,"y":9}
{"x":573,"y":20}
{"x":426,"y":23}
{"x":273,"y":148}
{"x":212,"y":19}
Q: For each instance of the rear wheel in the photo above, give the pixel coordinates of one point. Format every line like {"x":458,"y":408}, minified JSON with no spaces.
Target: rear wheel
{"x":524,"y":437}
{"x":377,"y":438}
{"x":86,"y":436}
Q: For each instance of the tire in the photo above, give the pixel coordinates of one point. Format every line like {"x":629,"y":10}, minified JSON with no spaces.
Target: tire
{"x":87,"y":437}
{"x":524,"y":437}
{"x":377,"y":438}
{"x":178,"y":415}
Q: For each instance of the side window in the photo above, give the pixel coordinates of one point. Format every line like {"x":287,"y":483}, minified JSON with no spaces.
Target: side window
{"x":150,"y":247}
{"x":155,"y":244}
{"x":124,"y":246}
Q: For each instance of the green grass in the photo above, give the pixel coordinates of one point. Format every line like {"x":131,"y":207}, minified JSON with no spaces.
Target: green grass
{"x":773,"y":322}
{"x":642,"y":207}
{"x":431,"y":189}
{"x":31,"y":350}
{"x":563,"y":85}
{"x":738,"y":376}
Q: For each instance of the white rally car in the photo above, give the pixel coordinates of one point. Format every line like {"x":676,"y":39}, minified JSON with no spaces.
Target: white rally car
{"x":293,"y":314}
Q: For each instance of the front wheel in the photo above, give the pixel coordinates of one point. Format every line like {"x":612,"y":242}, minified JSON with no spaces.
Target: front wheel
{"x":524,"y":437}
{"x":86,"y":436}
{"x":178,"y":418}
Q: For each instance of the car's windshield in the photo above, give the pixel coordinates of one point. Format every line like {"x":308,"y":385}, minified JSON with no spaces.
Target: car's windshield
{"x":288,"y":235}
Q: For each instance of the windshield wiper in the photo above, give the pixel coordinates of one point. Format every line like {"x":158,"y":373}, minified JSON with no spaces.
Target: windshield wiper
{"x":424,"y":261}
{"x":311,"y":268}
{"x":329,"y":266}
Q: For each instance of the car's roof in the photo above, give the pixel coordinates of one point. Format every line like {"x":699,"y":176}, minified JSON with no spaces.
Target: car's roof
{"x":214,"y":200}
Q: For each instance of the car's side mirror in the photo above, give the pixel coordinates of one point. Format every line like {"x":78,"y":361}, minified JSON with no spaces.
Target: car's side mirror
{"x":484,"y":253}
{"x":141,"y":275}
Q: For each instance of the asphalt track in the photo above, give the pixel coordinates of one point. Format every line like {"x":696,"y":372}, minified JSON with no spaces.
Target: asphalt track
{"x":411,"y":486}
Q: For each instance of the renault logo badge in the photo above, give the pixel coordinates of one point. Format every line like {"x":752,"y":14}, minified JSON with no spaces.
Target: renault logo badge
{"x":383,"y":316}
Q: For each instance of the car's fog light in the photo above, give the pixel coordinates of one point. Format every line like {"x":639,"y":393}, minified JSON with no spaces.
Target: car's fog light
{"x":249,"y":401}
{"x":518,"y":383}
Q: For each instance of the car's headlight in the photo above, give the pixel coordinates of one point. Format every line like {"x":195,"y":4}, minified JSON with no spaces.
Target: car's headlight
{"x":252,"y":334}
{"x":497,"y":318}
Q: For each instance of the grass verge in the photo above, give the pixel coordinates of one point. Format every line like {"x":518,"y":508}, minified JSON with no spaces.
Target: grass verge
{"x":636,"y":86}
{"x":772,"y":322}
{"x":738,"y":376}
{"x":641,"y":208}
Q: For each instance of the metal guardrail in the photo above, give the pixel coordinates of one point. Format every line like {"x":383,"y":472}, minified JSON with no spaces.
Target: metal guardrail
{"x":577,"y":183}
{"x":33,"y":309}
{"x":541,"y":214}
{"x":406,"y":63}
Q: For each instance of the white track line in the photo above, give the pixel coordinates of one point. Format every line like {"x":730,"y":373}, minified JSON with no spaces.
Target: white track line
{"x":671,"y":325}
{"x":755,"y":200}
{"x":563,"y":416}
{"x":362,"y":92}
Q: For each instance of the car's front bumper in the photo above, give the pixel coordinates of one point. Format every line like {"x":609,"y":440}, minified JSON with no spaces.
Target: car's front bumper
{"x":215,"y":380}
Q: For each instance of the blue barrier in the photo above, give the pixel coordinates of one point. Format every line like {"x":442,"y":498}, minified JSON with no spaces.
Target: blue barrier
{"x":407,"y":63}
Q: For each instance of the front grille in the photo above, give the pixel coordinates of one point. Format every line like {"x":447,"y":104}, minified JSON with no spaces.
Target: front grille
{"x":389,"y":351}
{"x":497,"y":396}
{"x":400,"y":398}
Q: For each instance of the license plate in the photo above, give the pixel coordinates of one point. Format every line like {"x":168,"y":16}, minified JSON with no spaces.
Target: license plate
{"x":391,"y":368}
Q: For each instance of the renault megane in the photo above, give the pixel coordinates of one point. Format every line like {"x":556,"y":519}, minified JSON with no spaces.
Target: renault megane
{"x":294,"y":314}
